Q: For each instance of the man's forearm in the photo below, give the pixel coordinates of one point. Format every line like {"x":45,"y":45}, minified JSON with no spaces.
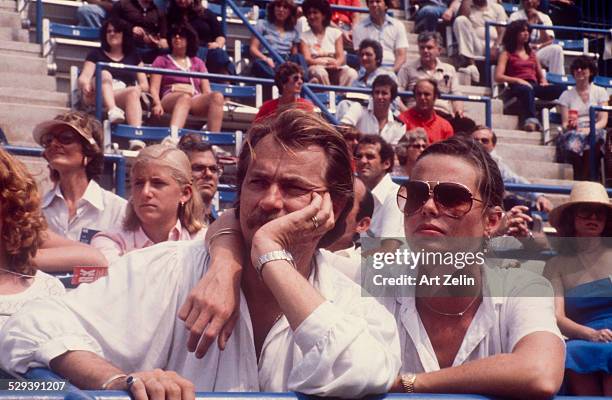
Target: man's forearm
{"x":84,"y":369}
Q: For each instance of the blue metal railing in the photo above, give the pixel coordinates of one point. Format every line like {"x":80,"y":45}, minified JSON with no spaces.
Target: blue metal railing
{"x":117,"y":160}
{"x":488,"y":25}
{"x":593,"y":138}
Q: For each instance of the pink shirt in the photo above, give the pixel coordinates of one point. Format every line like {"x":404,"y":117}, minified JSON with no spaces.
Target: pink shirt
{"x":166,"y":62}
{"x":114,"y":244}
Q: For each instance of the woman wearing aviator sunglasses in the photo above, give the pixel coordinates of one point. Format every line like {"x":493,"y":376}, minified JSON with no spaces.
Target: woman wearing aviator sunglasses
{"x":410,"y":148}
{"x":581,"y":279}
{"x":76,"y":207}
{"x":486,"y":336}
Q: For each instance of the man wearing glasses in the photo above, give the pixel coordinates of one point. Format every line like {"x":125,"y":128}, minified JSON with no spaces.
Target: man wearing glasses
{"x":487,"y":138}
{"x":205,"y":171}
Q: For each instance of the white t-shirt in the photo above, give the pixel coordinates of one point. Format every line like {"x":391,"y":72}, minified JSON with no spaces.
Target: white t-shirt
{"x":44,"y":285}
{"x":571,"y":100}
{"x":327,"y":46}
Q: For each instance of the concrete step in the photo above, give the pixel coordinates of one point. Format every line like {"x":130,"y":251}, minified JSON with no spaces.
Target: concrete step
{"x":15,"y":34}
{"x":18,"y":120}
{"x":538,"y":169}
{"x":27,"y":81}
{"x":19,"y":48}
{"x":474,"y":90}
{"x":23,"y":64}
{"x":554,"y":182}
{"x":476,"y":111}
{"x":529,"y":151}
{"x":517,"y":136}
{"x":501,"y":121}
{"x":10,"y":19}
{"x":8,"y":5}
{"x":33,"y":96}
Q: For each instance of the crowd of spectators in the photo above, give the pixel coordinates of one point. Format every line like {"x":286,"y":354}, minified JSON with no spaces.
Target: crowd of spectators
{"x":275,"y":280}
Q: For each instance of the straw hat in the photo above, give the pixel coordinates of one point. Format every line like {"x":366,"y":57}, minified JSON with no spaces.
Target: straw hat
{"x":582,"y":192}
{"x":81,"y":123}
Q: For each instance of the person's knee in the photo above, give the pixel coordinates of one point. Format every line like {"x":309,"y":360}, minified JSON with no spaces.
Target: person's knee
{"x":134,"y":92}
{"x":107,"y":77}
{"x":217,"y":98}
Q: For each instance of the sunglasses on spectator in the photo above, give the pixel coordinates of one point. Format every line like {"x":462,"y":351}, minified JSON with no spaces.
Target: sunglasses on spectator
{"x":418,"y":146}
{"x":200,"y":169}
{"x":64,"y":138}
{"x":483,"y":140}
{"x":112,"y":31}
{"x":588,"y":211}
{"x":295,"y":78}
{"x":452,"y":199}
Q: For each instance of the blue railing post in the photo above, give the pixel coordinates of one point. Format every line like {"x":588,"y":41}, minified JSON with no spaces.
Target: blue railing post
{"x":487,"y":54}
{"x":120,"y":174}
{"x":99,"y":67}
{"x":488,"y":112}
{"x":39,"y":18}
{"x":592,"y":143}
{"x":224,"y":17}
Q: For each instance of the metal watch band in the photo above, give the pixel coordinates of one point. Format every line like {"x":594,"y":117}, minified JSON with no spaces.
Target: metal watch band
{"x":273,"y":256}
{"x":408,"y":382}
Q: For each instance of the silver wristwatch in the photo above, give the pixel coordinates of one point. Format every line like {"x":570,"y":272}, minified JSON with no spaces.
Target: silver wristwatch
{"x":273,"y":256}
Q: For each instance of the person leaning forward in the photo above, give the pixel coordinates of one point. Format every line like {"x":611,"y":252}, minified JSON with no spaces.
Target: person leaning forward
{"x":302,"y":325}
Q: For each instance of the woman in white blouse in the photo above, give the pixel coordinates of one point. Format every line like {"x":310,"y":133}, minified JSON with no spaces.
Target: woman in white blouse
{"x":76,"y":207}
{"x":322,"y":47}
{"x":573,"y":144}
{"x":163,"y":205}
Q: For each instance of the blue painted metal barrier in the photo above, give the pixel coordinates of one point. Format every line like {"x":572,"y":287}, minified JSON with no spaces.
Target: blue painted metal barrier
{"x":117,"y":160}
{"x":488,"y":25}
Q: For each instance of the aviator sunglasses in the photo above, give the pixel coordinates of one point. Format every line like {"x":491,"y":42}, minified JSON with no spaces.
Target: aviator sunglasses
{"x":452,"y":199}
{"x":64,"y":138}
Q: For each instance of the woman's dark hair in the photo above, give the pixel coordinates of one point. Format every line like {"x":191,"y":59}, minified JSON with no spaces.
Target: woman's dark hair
{"x":385,"y":80}
{"x":584,"y":62}
{"x":177,"y":15}
{"x":127,"y":43}
{"x":490,"y":182}
{"x":291,"y":20}
{"x":321,"y":5}
{"x":511,"y":34}
{"x":378,"y":50}
{"x":284,"y":71}
{"x":185,"y":30}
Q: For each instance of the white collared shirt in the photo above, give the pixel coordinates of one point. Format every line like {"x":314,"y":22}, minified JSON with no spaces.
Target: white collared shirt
{"x":98,"y":210}
{"x":348,"y":346}
{"x":114,"y":244}
{"x":391,"y":36}
{"x":518,"y":303}
{"x":366,"y":122}
{"x":387,"y":219}
{"x":544,"y":20}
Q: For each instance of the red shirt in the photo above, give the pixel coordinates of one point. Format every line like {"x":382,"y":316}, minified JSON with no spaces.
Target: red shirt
{"x":437,"y":128}
{"x":345,"y":17}
{"x":270,"y":107}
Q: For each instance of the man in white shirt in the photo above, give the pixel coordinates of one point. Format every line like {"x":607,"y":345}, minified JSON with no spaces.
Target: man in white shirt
{"x":375,"y":159}
{"x":469,"y":27}
{"x":550,"y":55}
{"x":387,"y":31}
{"x":303,"y":326}
{"x":377,"y":118}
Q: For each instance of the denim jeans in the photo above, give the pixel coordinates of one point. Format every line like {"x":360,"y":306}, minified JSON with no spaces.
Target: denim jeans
{"x":426,"y":19}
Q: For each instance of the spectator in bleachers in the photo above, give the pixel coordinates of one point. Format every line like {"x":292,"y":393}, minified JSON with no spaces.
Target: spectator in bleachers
{"x":377,"y":118}
{"x":77,"y":207}
{"x":148,"y":25}
{"x":423,"y":115}
{"x":429,"y":66}
{"x":580,"y":276}
{"x":487,"y":138}
{"x":205,"y":170}
{"x":408,"y":150}
{"x":22,"y":231}
{"x":278,"y":28}
{"x":322,"y":47}
{"x":209,"y":30}
{"x":163,"y":205}
{"x":389,"y":32}
{"x":496,"y":336}
{"x":121,"y":90}
{"x":345,"y":20}
{"x":375,"y":159}
{"x":182,"y":95}
{"x":469,"y":28}
{"x":519,"y":67}
{"x":573,"y":144}
{"x":430,"y":11}
{"x":550,"y":55}
{"x":94,"y":12}
{"x":289,"y":79}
